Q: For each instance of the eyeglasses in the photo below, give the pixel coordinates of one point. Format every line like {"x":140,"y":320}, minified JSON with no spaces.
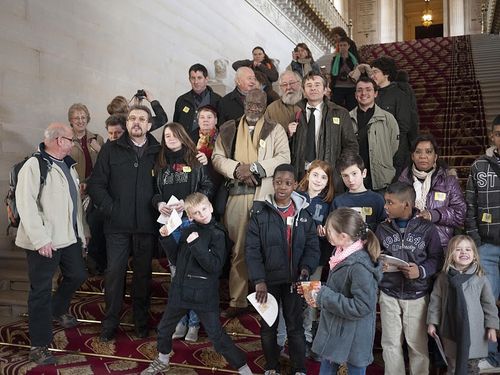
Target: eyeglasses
{"x":285,"y":85}
{"x":140,"y":119}
{"x":66,"y":138}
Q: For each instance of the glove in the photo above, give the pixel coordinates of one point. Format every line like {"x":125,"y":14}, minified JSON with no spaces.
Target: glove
{"x":304,"y":275}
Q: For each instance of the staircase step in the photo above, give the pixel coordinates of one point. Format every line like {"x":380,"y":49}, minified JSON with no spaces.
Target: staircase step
{"x":13,"y":303}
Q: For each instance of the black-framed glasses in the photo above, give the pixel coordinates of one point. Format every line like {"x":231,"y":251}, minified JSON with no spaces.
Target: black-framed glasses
{"x":67,"y":138}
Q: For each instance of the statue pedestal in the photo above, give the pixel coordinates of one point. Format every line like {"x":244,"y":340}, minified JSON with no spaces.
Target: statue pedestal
{"x":218,"y":87}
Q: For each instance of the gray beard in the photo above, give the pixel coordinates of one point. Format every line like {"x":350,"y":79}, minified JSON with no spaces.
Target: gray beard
{"x":292,"y":99}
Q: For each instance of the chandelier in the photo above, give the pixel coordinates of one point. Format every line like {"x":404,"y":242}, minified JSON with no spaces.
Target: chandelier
{"x":427,"y":15}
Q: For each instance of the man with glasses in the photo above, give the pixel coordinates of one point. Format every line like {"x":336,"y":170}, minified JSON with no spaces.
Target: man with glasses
{"x":246,"y":152}
{"x":323,"y":130}
{"x":286,"y":110}
{"x":122,"y":187}
{"x":52,"y":233}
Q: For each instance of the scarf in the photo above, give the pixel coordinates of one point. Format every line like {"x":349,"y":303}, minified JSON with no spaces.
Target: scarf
{"x":336,"y":63}
{"x":421,"y":188}
{"x":456,"y":322}
{"x":247,"y":145}
{"x":206,"y":143}
{"x":342,"y":253}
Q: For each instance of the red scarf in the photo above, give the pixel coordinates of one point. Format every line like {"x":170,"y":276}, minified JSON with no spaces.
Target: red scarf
{"x":206,"y":143}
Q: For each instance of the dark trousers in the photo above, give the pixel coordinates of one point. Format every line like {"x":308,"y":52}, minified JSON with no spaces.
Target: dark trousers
{"x":291,"y":304}
{"x":210,"y":321}
{"x":42,"y":305}
{"x":344,"y":96}
{"x":119,"y":247}
{"x":97,"y":244}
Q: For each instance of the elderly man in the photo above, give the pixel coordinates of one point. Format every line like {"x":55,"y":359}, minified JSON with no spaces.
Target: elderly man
{"x":52,"y":233}
{"x":121,"y":187}
{"x":286,"y":110}
{"x":231,"y":106}
{"x":247,"y":152}
{"x":200,"y":95}
{"x":323,"y":130}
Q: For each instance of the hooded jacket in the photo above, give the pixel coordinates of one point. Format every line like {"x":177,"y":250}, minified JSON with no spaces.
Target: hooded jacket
{"x":348,"y":308}
{"x":266,"y":245}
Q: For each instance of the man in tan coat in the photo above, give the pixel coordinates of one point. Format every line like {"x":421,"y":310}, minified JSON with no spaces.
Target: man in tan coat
{"x":246,"y":152}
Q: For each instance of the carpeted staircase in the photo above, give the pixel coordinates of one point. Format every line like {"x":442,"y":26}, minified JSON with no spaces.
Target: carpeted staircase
{"x":449,"y":93}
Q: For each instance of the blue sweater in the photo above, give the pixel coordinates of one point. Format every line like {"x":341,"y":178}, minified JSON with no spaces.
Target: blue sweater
{"x":368,"y":203}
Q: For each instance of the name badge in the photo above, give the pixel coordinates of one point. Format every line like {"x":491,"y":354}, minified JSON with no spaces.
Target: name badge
{"x":289,"y":220}
{"x":367,"y":211}
{"x":186,"y":169}
{"x":185,"y":109}
{"x":262,"y":143}
{"x":336,"y":120}
{"x":438,"y":196}
{"x":486,"y":218}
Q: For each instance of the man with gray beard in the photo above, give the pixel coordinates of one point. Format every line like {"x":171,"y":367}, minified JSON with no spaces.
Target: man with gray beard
{"x":286,"y":111}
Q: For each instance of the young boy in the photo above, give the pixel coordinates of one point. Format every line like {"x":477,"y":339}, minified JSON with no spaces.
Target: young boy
{"x":483,"y":222}
{"x":200,"y":258}
{"x":281,"y":248}
{"x":404,"y":294}
{"x":368,"y":203}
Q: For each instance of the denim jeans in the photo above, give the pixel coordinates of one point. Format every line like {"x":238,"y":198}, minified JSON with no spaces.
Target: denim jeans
{"x":489,"y":255}
{"x":330,"y":368}
{"x":190,"y":319}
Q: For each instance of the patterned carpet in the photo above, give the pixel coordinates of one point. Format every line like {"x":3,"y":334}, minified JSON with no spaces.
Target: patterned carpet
{"x":448,"y":95}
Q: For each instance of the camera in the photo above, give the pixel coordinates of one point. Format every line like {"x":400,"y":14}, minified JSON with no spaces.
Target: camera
{"x":141,"y":94}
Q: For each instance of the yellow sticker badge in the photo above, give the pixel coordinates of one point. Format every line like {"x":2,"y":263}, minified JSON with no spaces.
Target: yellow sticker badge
{"x":367,"y":211}
{"x":262,"y":143}
{"x":186,"y":169}
{"x":439,"y":196}
{"x":336,"y":120}
{"x":185,"y":109}
{"x":486,"y":218}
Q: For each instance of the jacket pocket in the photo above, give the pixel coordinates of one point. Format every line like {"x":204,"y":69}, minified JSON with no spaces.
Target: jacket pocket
{"x":194,"y":290}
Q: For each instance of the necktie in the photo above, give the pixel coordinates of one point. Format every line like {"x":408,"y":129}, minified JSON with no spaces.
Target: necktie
{"x":310,"y":154}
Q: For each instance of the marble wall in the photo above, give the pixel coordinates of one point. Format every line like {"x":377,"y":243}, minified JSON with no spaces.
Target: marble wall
{"x":58,"y":52}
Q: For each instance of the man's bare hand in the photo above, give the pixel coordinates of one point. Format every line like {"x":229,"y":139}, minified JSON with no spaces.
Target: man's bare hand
{"x":46,"y":250}
{"x":410,"y":272}
{"x":243,"y":172}
{"x":261,"y":292}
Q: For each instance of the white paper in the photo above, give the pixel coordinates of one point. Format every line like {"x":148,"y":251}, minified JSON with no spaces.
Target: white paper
{"x":440,"y":347}
{"x":163,"y":219}
{"x":268,"y":311}
{"x":174,"y":222}
{"x":173,"y":200}
{"x":392,"y":263}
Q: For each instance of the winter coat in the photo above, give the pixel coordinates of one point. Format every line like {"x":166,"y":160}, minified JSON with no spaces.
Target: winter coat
{"x":198,"y":267}
{"x":481,"y":311}
{"x":266,"y":246}
{"x":282,"y":113}
{"x":78,"y":155}
{"x":267,"y":69}
{"x":445,"y":202}
{"x":336,"y":136}
{"x":160,"y":118}
{"x":122,"y":186}
{"x":483,"y":202}
{"x":348,"y":303}
{"x":185,"y":111}
{"x":48,"y":217}
{"x":383,"y":141}
{"x":303,"y":66}
{"x":231,"y":107}
{"x":420,"y":245}
{"x":273,"y":151}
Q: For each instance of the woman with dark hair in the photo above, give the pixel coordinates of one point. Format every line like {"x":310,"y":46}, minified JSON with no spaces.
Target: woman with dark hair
{"x":179,"y":173}
{"x":339,"y":33}
{"x":438,"y":194}
{"x":260,"y":63}
{"x":302,"y":61}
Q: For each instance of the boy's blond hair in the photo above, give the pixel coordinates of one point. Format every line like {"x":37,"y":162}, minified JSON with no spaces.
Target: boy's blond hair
{"x":194,"y":199}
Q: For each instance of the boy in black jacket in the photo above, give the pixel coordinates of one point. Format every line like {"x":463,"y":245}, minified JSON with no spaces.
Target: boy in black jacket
{"x":281,"y":248}
{"x":200,"y":258}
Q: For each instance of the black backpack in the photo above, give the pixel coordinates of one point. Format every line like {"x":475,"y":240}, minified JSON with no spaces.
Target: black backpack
{"x":10,"y":199}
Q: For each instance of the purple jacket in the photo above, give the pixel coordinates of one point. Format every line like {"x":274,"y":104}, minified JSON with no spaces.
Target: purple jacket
{"x":445,"y":202}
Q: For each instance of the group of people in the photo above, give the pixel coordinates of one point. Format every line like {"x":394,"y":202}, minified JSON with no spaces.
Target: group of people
{"x":285,"y":188}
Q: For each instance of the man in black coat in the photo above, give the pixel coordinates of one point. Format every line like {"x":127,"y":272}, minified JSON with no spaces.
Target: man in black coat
{"x":200,"y":95}
{"x":121,"y":186}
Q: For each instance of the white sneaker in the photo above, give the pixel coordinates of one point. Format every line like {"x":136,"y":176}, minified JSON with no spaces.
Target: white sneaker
{"x":192,"y":334}
{"x":180,"y":331}
{"x":487,"y":368}
{"x":271,"y":372}
{"x":155,"y":367}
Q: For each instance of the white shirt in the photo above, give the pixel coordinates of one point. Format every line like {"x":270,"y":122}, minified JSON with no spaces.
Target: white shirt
{"x":318,"y":113}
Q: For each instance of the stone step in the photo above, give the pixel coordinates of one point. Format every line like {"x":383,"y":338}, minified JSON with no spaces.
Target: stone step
{"x":13,"y":303}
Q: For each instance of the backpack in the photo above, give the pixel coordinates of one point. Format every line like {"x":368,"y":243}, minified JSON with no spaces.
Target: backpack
{"x":10,"y":199}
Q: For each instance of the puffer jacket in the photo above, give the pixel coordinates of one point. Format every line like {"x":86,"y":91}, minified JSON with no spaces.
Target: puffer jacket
{"x":445,"y":202}
{"x":348,"y":308}
{"x":420,"y":245}
{"x":266,"y":246}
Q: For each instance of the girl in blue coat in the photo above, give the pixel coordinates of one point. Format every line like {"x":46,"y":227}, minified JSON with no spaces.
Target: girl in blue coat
{"x":349,"y":297}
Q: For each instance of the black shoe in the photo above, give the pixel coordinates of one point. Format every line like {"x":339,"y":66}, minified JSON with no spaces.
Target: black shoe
{"x":107,"y":335}
{"x":66,"y":321}
{"x":142,"y":332}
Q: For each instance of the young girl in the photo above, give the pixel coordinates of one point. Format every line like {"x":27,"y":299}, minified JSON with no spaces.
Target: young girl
{"x":349,"y":297}
{"x":463,"y":307}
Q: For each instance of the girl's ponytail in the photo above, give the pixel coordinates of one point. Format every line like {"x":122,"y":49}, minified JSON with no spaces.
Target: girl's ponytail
{"x":372,"y":245}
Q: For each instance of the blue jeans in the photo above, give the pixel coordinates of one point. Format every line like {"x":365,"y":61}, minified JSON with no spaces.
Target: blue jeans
{"x":330,"y":368}
{"x":489,"y":255}
{"x":190,"y":319}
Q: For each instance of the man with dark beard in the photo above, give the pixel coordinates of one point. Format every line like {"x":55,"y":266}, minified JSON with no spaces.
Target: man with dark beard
{"x":285,"y":111}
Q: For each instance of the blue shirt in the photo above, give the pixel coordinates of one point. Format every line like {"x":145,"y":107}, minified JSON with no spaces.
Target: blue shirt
{"x":368,"y":203}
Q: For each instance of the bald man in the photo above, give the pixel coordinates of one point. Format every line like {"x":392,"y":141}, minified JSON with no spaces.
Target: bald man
{"x":231,"y":106}
{"x":52,"y":233}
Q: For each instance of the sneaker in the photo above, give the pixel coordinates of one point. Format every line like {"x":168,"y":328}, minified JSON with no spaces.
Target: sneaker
{"x":180,"y":331}
{"x":41,"y":356}
{"x":487,"y":368}
{"x":155,"y":367}
{"x":271,"y":372}
{"x":192,"y":334}
{"x":67,"y":321}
